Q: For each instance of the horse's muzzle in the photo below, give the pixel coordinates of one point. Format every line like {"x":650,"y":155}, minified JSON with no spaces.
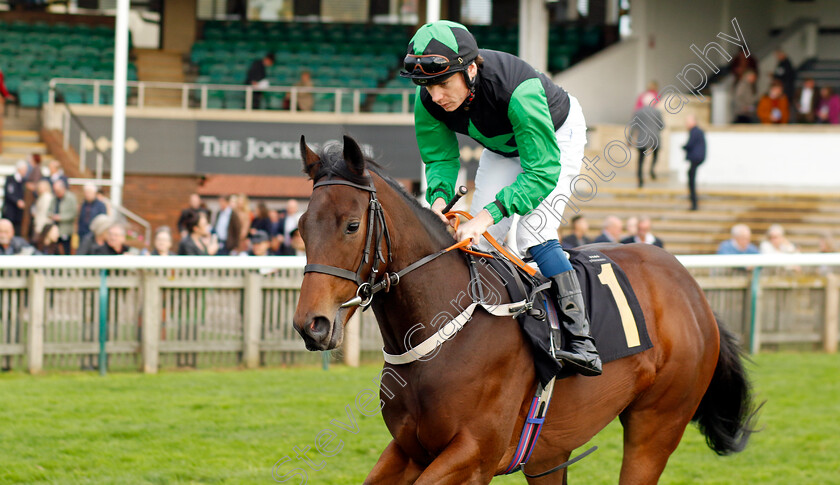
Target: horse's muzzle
{"x":320,"y":333}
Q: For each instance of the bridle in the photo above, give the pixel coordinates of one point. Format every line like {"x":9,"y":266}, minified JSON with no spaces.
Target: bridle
{"x":376,"y":231}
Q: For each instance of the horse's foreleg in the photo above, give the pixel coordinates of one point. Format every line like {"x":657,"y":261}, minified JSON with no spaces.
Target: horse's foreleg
{"x":459,"y":464}
{"x":393,"y":467}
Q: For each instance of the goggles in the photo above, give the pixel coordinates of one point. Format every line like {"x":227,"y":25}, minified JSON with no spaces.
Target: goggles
{"x":429,"y":64}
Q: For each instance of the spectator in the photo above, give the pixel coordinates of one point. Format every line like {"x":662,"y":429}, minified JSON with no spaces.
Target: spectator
{"x":742,"y":64}
{"x":195,"y":205}
{"x":6,"y":95}
{"x":57,"y":173}
{"x":785,"y":74}
{"x":261,"y":221}
{"x":829,"y":107}
{"x":632,"y":226}
{"x":9,"y":243}
{"x":644,"y":235}
{"x":651,"y":94}
{"x":114,"y":242}
{"x":305,"y":99}
{"x":64,"y":213}
{"x":199,"y":242}
{"x":827,"y":245}
{"x":276,"y":226}
{"x":260,"y":243}
{"x":695,"y":153}
{"x":297,"y":243}
{"x":806,"y":102}
{"x":290,"y":222}
{"x":91,"y":207}
{"x":227,"y":226}
{"x":13,"y":202}
{"x":243,"y":212}
{"x":100,"y":196}
{"x":646,"y":128}
{"x":745,"y":98}
{"x":258,"y":77}
{"x":96,"y":237}
{"x":776,"y":242}
{"x":47,"y":241}
{"x":774,"y":106}
{"x":41,"y":210}
{"x":740,"y":242}
{"x":580,"y":226}
{"x":611,"y":231}
{"x":163,"y":242}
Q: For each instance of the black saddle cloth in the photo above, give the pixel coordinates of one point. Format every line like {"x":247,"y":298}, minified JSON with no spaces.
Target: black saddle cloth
{"x":615,"y":316}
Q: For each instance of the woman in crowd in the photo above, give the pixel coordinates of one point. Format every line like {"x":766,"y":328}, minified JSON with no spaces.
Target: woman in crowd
{"x":262,"y":221}
{"x":198,"y":242}
{"x":47,"y":241}
{"x":162,"y":245}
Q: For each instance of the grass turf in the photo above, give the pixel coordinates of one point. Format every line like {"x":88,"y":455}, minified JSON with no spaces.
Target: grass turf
{"x":233,"y":426}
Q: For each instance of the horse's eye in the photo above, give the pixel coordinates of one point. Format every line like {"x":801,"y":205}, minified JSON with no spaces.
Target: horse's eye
{"x":352,"y":227}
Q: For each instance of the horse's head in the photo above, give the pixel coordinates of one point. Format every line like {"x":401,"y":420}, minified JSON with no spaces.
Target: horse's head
{"x":335,"y":231}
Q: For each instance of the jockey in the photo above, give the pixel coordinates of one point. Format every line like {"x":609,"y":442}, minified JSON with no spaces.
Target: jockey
{"x":530,"y":128}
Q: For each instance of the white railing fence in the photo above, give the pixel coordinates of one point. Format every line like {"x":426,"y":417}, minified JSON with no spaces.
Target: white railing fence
{"x":150,"y":312}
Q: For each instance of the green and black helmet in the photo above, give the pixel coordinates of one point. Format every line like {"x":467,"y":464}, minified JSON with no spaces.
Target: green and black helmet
{"x":437,"y":51}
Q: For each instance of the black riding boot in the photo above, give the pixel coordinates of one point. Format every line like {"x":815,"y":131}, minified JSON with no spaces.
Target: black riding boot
{"x":583,"y":355}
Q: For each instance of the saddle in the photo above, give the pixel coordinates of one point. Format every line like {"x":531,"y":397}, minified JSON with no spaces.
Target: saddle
{"x":615,"y":316}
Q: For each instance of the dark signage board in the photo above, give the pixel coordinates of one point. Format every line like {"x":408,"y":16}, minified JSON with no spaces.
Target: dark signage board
{"x":188,"y":146}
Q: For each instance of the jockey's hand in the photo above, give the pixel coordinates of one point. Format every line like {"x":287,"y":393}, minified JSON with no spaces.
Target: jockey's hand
{"x":475,"y":227}
{"x":438,"y":207}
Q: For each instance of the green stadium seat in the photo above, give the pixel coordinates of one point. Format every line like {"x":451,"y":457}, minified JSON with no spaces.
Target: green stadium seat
{"x":29,"y":94}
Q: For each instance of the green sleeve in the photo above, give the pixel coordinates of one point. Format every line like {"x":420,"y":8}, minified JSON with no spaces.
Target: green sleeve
{"x":439,"y":151}
{"x":538,"y":152}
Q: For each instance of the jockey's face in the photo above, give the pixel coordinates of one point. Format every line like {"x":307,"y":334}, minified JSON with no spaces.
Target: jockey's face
{"x":452,"y":92}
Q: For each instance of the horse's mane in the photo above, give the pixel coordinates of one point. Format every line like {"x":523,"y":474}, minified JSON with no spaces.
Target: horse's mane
{"x":333,"y":165}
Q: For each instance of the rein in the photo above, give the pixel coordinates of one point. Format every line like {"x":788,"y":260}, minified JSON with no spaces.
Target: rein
{"x":376,"y":231}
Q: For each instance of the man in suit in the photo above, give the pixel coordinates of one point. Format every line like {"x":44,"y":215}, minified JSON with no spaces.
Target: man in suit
{"x":644,"y":235}
{"x":13,"y":201}
{"x":578,"y":236}
{"x":227,"y":226}
{"x":611,"y":232}
{"x":695,"y":153}
{"x":258,"y":77}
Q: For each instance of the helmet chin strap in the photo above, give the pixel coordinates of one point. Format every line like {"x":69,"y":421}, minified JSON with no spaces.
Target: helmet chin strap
{"x":471,"y":85}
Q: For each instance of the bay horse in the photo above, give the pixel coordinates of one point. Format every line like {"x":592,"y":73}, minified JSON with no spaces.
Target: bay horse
{"x":457,"y":418}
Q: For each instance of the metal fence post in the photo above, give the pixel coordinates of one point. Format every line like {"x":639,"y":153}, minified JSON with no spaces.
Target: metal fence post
{"x":103,"y":321}
{"x":35,"y":333}
{"x":252,"y":319}
{"x":151,"y":323}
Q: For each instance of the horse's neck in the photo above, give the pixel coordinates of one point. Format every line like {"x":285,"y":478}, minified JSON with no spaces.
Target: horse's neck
{"x":424,"y":293}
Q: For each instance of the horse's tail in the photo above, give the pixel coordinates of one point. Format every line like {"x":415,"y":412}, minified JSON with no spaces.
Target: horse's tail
{"x":726,"y":413}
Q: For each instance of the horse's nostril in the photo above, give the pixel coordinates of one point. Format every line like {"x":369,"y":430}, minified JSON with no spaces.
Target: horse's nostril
{"x":318,"y":328}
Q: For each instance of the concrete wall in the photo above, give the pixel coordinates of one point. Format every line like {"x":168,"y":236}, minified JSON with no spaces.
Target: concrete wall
{"x":826,"y":11}
{"x":763,"y":156}
{"x":605,"y":83}
{"x":659,"y":49}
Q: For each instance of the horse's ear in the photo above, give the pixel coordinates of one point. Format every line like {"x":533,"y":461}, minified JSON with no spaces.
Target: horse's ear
{"x":353,"y":156}
{"x":311,"y":162}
